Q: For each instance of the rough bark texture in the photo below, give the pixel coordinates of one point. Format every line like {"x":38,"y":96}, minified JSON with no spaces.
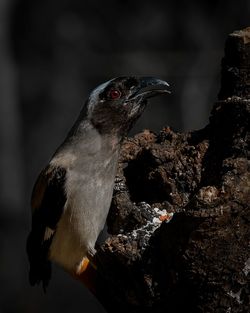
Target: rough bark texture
{"x":180,"y":216}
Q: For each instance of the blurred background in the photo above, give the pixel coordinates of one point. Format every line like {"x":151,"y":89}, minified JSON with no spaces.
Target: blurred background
{"x":52,"y":54}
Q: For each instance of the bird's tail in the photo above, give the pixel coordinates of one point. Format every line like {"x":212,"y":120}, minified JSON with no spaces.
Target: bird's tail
{"x":40,"y":266}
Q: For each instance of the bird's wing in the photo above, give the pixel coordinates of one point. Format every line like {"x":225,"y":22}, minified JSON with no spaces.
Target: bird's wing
{"x":47,"y":202}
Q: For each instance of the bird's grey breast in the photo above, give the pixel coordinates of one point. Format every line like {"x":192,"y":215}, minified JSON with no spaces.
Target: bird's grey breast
{"x":90,"y":182}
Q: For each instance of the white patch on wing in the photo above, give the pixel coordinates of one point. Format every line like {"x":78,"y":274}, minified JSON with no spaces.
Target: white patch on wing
{"x":48,"y":233}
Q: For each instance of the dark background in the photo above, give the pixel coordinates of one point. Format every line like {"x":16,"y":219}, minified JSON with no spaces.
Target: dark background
{"x":52,"y":54}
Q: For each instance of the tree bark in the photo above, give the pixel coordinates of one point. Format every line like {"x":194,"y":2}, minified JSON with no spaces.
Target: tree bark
{"x":179,"y":220}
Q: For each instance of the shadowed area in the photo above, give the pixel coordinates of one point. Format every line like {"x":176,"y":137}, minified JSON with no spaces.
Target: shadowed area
{"x":53,"y":53}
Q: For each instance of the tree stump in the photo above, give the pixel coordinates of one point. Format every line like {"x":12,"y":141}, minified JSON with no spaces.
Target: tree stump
{"x":179,"y":222}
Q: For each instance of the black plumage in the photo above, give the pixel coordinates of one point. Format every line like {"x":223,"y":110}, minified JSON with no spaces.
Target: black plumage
{"x":46,"y":214}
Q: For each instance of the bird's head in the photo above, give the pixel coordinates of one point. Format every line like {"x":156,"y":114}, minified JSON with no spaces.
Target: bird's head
{"x":114,"y":106}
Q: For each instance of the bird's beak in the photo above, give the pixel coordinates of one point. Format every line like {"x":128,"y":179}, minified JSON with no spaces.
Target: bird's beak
{"x":149,"y":87}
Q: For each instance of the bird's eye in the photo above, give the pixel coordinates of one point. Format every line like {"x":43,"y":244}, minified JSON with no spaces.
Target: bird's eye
{"x":114,"y":94}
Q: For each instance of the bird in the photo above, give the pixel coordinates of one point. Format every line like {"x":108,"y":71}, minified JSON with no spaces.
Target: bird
{"x":72,"y":195}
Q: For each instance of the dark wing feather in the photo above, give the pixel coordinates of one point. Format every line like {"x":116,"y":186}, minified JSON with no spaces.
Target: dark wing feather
{"x":48,"y":200}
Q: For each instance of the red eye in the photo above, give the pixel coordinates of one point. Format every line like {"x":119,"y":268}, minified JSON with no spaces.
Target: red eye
{"x":114,"y":94}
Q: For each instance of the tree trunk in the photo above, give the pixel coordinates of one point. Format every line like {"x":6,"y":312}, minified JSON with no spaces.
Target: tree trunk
{"x":179,"y":220}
